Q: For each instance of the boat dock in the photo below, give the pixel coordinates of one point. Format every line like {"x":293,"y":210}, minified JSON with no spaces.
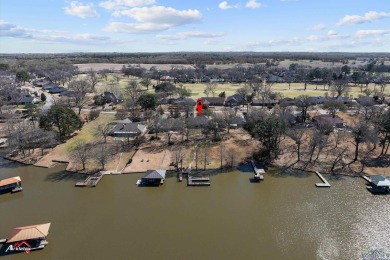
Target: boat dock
{"x":90,"y":181}
{"x":258,"y":172}
{"x":324,"y":183}
{"x":198,"y":181}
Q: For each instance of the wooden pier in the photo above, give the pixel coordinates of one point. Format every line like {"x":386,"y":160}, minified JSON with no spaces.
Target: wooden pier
{"x":324,"y":183}
{"x":198,"y":181}
{"x":91,"y":181}
{"x":258,"y":172}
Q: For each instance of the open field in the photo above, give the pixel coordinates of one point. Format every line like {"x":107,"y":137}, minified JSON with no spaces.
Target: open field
{"x":295,"y":89}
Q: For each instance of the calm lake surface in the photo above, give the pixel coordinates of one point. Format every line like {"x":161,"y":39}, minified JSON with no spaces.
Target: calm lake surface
{"x":284,"y":217}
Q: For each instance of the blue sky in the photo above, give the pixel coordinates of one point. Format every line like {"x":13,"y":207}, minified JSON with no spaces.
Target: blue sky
{"x":45,"y":26}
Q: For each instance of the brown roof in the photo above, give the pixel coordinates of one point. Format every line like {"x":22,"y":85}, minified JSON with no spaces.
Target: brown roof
{"x":29,"y":232}
{"x":10,"y":181}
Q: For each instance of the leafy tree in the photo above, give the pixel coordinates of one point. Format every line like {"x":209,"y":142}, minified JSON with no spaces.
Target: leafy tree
{"x":384,"y":131}
{"x":32,"y":112}
{"x":334,"y":106}
{"x":43,"y":97}
{"x":339,"y":87}
{"x":64,"y":119}
{"x":183,"y":92}
{"x":269,"y":130}
{"x":147,"y":101}
{"x":22,"y":76}
{"x":346,"y":69}
{"x":4,"y":66}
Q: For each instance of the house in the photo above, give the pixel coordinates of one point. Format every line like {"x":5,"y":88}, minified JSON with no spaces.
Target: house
{"x":264,"y":102}
{"x":106,"y":97}
{"x":234,"y":100}
{"x":41,"y":82}
{"x":57,"y":90}
{"x":153,"y":177}
{"x":23,"y":100}
{"x":316,"y":100}
{"x":183,"y":102}
{"x":238,"y":121}
{"x":126,"y":128}
{"x":213,"y":101}
{"x":197,"y":122}
{"x":366,"y":101}
{"x":50,"y":86}
{"x":328,"y":120}
{"x":345,"y":100}
{"x":285,"y":102}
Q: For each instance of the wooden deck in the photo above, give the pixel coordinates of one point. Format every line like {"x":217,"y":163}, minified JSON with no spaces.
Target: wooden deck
{"x":198,"y":181}
{"x":324,"y":183}
{"x":91,"y":181}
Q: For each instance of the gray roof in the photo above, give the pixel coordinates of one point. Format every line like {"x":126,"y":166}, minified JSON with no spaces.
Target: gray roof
{"x":155,"y":174}
{"x":380,"y":181}
{"x":124,"y":128}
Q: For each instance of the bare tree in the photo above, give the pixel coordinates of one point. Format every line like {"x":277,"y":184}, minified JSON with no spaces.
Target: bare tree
{"x":103,"y":130}
{"x":178,"y":156}
{"x":93,"y":78}
{"x":101,"y":154}
{"x":296,"y":134}
{"x":210,"y":89}
{"x":132,"y":91}
{"x":78,"y":90}
{"x":360,"y":132}
{"x":339,"y":87}
{"x":231,"y":157}
{"x":80,"y":152}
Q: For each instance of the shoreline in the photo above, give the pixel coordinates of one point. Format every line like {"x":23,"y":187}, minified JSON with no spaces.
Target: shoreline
{"x":172,"y":173}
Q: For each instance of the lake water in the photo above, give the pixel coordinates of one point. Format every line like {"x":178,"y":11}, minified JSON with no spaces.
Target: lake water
{"x":283,"y":217}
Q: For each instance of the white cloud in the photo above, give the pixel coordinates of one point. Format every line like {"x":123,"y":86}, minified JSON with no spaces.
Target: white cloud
{"x":368,"y":17}
{"x":365,"y":33}
{"x":253,"y":4}
{"x":81,"y":10}
{"x":120,"y":3}
{"x":192,"y":34}
{"x":153,"y":19}
{"x":11,"y":30}
{"x":212,"y":42}
{"x":120,"y":27}
{"x":330,"y":35}
{"x":225,"y":5}
{"x":318,"y":27}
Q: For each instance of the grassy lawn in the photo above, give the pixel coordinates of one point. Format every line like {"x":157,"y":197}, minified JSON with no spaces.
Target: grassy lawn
{"x":87,"y":132}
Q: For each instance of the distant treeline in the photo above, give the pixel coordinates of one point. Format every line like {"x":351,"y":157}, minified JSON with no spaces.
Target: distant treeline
{"x":192,"y":57}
